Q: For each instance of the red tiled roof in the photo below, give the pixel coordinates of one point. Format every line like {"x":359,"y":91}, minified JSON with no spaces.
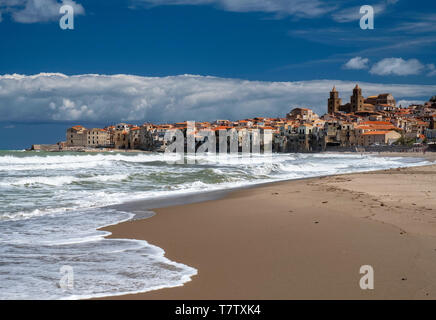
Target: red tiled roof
{"x":375,"y":132}
{"x":377,"y":122}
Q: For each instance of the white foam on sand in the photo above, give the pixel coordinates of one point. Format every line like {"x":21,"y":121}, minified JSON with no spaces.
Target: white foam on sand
{"x":53,"y":204}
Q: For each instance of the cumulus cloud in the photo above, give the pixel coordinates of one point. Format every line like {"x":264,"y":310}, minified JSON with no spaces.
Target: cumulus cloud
{"x":357,"y":63}
{"x":104,"y":98}
{"x":397,"y":66}
{"x":301,"y":8}
{"x":32,"y":11}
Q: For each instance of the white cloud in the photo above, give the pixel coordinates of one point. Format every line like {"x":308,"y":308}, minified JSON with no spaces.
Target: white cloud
{"x":417,"y":23}
{"x":432,"y":70}
{"x":7,"y":6}
{"x":357,"y":63}
{"x":353,"y":13}
{"x":397,"y":66}
{"x":103,"y":98}
{"x":302,"y":8}
{"x":32,"y":11}
{"x":406,"y":103}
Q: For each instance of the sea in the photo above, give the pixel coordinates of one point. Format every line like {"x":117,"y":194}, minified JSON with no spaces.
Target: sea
{"x":52,"y":205}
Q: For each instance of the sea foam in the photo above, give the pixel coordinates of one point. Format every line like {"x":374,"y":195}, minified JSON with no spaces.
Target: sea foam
{"x":52,"y":204}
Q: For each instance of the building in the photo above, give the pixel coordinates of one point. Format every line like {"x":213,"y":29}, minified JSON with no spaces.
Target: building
{"x":334,"y":102}
{"x":381,"y":99}
{"x":430,"y":134}
{"x":375,"y":138}
{"x":301,"y":114}
{"x":121,"y":136}
{"x":370,"y":121}
{"x":386,"y":99}
{"x":367,"y":126}
{"x":134,"y":138}
{"x":384,"y":107}
{"x":76,"y":136}
{"x":98,"y":138}
{"x":305,"y":129}
{"x":348,"y":135}
{"x":146,"y":141}
{"x":122,"y":127}
{"x":357,"y":102}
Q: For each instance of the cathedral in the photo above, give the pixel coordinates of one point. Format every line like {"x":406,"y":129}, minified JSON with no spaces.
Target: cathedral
{"x":357,"y":102}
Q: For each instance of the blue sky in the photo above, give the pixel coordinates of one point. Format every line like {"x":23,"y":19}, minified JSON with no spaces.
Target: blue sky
{"x":262,"y":42}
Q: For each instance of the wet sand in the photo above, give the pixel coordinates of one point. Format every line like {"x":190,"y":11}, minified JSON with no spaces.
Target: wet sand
{"x":304,"y":239}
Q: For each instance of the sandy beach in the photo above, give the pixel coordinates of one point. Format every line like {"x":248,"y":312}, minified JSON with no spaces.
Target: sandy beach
{"x":303,"y":239}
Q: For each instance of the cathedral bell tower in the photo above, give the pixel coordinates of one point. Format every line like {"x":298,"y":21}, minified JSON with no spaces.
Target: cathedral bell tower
{"x":333,"y":102}
{"x":357,"y":100}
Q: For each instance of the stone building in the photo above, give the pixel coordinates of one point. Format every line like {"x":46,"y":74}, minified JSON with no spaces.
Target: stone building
{"x":76,"y":136}
{"x":121,"y":140}
{"x":304,"y":138}
{"x":378,"y":138}
{"x":146,"y":141}
{"x":348,"y":136}
{"x":357,"y":102}
{"x":122,"y":127}
{"x":98,"y":138}
{"x":430,"y":134}
{"x":302,"y":114}
{"x":134,"y":138}
{"x":386,"y":99}
{"x":334,"y":102}
{"x":121,"y":136}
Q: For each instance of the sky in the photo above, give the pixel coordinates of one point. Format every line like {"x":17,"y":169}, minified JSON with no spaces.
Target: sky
{"x":176,"y":60}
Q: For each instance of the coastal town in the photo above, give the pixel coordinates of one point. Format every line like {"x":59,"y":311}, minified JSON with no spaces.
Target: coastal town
{"x":373,"y":123}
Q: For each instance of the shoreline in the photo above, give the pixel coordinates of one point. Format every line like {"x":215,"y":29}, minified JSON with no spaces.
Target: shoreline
{"x":159,"y":231}
{"x":173,"y":200}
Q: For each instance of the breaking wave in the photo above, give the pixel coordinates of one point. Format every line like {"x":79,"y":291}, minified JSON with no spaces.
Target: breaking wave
{"x":52,"y":204}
